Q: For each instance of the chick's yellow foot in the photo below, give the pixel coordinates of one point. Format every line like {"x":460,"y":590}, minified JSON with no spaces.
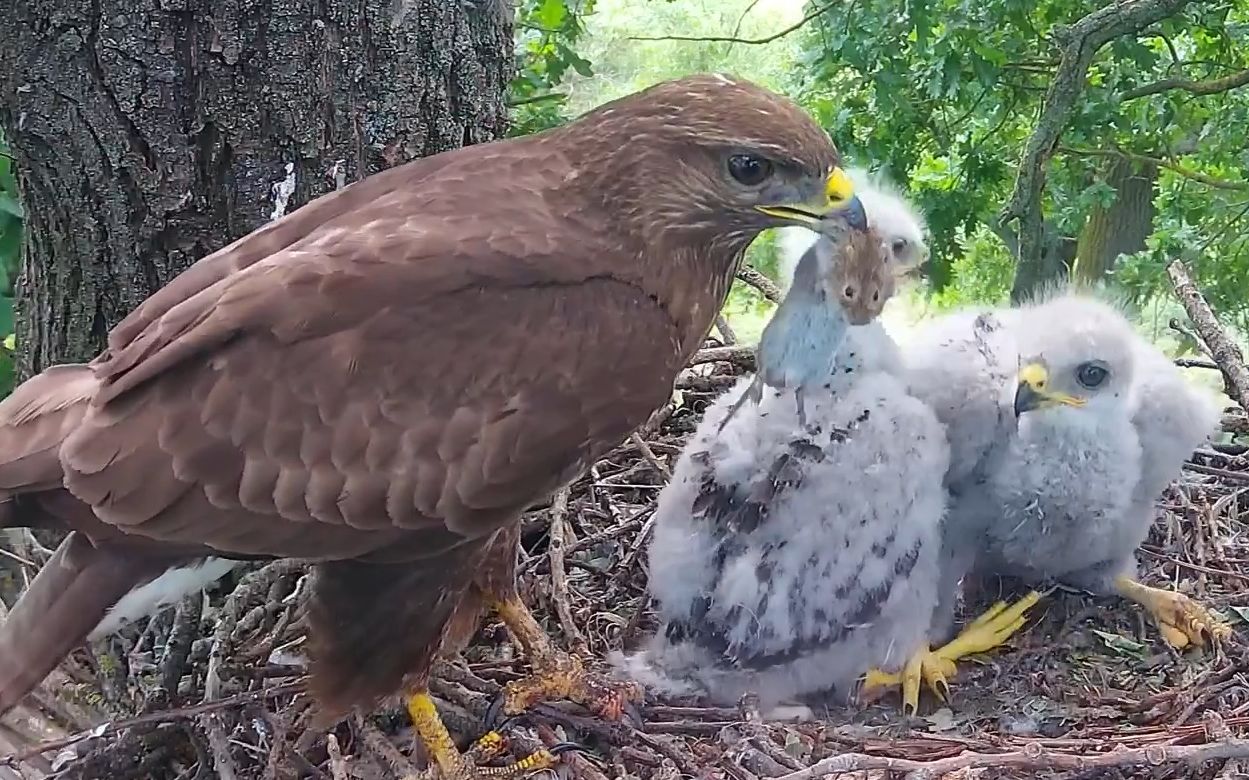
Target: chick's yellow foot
{"x":990,"y":630}
{"x":936,"y":667}
{"x":1181,"y":620}
{"x":923,"y":665}
{"x":447,"y":763}
{"x":558,"y":675}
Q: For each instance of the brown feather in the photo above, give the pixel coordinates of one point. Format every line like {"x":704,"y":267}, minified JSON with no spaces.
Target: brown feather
{"x":384,"y":379}
{"x":65,"y":601}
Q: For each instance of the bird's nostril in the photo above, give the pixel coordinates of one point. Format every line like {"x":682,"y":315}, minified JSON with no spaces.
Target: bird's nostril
{"x":849,"y":292}
{"x":876,"y":296}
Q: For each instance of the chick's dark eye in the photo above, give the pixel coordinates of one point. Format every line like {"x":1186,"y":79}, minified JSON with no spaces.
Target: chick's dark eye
{"x":749,"y":169}
{"x":1091,"y":375}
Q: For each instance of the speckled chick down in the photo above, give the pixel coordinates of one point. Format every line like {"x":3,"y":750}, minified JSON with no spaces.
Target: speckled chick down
{"x":786,"y":562}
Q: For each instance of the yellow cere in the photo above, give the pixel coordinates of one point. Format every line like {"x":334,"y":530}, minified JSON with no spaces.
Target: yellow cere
{"x":1034,"y":375}
{"x":839,"y":187}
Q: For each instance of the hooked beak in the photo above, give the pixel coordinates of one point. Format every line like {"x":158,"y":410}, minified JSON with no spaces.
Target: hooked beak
{"x":1031,"y":393}
{"x":829,"y":211}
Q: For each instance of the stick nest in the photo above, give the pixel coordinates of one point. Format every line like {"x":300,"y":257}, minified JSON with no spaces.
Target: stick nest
{"x":213,"y":687}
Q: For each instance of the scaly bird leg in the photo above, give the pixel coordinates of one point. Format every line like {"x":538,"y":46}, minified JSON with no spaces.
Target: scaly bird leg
{"x":1181,"y":620}
{"x":558,"y":675}
{"x":450,"y":764}
{"x":937,"y":667}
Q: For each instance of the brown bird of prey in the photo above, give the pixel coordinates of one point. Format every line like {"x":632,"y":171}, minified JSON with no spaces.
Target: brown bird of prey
{"x":383,"y":381}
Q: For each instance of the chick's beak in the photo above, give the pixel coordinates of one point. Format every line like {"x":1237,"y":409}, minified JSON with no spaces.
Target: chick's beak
{"x":1032,"y":393}
{"x":833,"y":204}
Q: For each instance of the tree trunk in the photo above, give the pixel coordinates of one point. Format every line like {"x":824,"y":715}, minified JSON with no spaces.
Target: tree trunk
{"x":1057,"y":252}
{"x":149,"y":133}
{"x":1122,"y":227}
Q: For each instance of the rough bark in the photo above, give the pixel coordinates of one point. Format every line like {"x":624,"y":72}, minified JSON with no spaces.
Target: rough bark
{"x":151,"y":132}
{"x":1122,"y":227}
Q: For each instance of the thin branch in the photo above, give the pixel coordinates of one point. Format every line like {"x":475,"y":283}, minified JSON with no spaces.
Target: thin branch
{"x":734,"y":39}
{"x":1170,"y":165}
{"x":1031,"y":757}
{"x":165,"y":716}
{"x":1224,"y":351}
{"x":553,"y":97}
{"x":761,"y":283}
{"x":1208,"y":87}
{"x":559,"y":577}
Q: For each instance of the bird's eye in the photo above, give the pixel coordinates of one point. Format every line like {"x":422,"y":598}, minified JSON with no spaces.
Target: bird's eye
{"x":1091,"y":374}
{"x":749,"y":169}
{"x":899,"y":245}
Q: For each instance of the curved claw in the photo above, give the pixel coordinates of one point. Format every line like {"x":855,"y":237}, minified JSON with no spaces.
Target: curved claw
{"x":560,"y":748}
{"x":492,"y":720}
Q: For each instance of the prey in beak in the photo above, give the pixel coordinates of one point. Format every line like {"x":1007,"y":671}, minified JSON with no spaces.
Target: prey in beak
{"x":833,"y":207}
{"x":1033,"y":393}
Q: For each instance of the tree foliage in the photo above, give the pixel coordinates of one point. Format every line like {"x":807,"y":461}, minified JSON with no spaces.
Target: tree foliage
{"x":10,"y":261}
{"x":944,"y":95}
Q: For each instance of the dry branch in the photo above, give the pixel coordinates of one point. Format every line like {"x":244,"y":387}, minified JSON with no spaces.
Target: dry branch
{"x":1226,"y":353}
{"x":1171,"y":165}
{"x":1208,"y":87}
{"x":1031,"y":757}
{"x":761,"y":283}
{"x":734,"y":39}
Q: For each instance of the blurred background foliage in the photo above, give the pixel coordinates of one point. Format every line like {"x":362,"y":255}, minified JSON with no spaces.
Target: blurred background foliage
{"x":940,"y":96}
{"x":10,"y":261}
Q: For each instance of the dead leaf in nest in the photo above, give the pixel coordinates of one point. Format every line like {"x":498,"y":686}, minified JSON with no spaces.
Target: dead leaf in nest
{"x":1122,"y":645}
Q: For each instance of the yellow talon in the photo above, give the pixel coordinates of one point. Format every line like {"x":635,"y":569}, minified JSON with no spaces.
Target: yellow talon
{"x":1181,"y":620}
{"x":989,"y":630}
{"x":923,"y":665}
{"x":936,"y":667}
{"x":450,"y":764}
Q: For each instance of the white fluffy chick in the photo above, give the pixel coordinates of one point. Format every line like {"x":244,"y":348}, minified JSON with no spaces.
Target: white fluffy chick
{"x":899,"y":222}
{"x":1105,"y":422}
{"x":787,"y":562}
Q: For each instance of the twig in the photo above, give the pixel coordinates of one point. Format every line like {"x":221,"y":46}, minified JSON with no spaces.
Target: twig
{"x":375,"y":741}
{"x":1032,"y":756}
{"x":649,"y":456}
{"x":1209,"y":87}
{"x":1171,"y":165}
{"x":1235,"y":476}
{"x":761,"y":283}
{"x":167,"y":716}
{"x":559,"y":576}
{"x":1235,"y":423}
{"x":1224,"y":351}
{"x":1191,"y":363}
{"x":338,"y":765}
{"x":733,"y":39}
{"x":742,"y":356}
{"x":726,"y":330}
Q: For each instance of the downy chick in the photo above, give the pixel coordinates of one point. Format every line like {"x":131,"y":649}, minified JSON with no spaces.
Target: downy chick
{"x":790,"y":556}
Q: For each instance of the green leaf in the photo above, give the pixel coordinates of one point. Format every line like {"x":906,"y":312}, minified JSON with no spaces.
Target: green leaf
{"x":1121,"y":644}
{"x":551,"y":14}
{"x":1241,"y":612}
{"x":10,"y":206}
